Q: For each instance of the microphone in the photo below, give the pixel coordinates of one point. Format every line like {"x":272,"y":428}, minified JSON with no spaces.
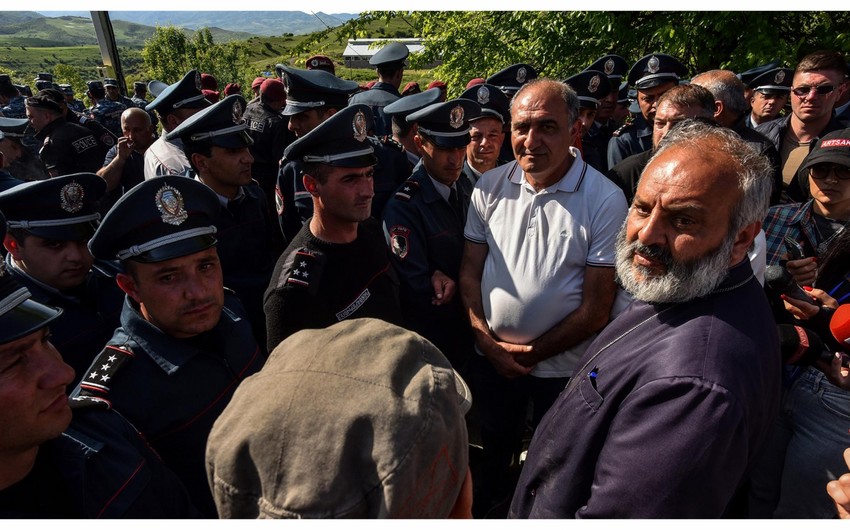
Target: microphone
{"x":780,"y":280}
{"x":800,"y":346}
{"x":839,"y":325}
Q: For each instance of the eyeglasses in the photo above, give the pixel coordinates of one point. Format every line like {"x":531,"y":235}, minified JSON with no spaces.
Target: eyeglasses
{"x":805,"y":90}
{"x":822,"y":171}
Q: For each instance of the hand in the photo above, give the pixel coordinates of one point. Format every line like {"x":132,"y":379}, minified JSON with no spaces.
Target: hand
{"x":803,"y":310}
{"x":839,"y":490}
{"x":444,"y":288}
{"x":804,"y":271}
{"x":503,"y":356}
{"x":125,"y":147}
{"x":837,"y":374}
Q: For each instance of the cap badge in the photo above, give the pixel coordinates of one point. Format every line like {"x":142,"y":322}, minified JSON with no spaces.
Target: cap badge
{"x":315,"y":62}
{"x":169,"y":202}
{"x":71,"y":196}
{"x":609,"y":66}
{"x":456,"y":117}
{"x":358,"y":124}
{"x":780,"y":77}
{"x":594,"y":84}
{"x":653,"y":64}
{"x":198,"y":80}
{"x":483,"y":95}
{"x":237,"y":111}
{"x":521,"y":74}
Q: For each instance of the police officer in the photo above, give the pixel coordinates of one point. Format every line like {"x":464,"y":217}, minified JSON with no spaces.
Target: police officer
{"x":140,"y":92}
{"x":104,"y":110}
{"x":216,"y":142}
{"x":113,"y":93}
{"x":320,"y":62}
{"x":423,"y":223}
{"x":651,"y":75}
{"x":50,"y":223}
{"x":90,"y":468}
{"x":174,"y":104}
{"x":43,"y":80}
{"x":604,"y":125}
{"x":73,"y":103}
{"x":7,"y":181}
{"x":486,"y":131}
{"x":591,"y":86}
{"x":337,"y":266}
{"x":509,"y":80}
{"x":404,"y":131}
{"x":65,"y":147}
{"x":270,"y":131}
{"x":389,"y":64}
{"x":312,"y":97}
{"x":20,"y":161}
{"x":11,"y":101}
{"x":105,"y":138}
{"x":185,"y":343}
{"x":748,"y":76}
{"x":769,"y":93}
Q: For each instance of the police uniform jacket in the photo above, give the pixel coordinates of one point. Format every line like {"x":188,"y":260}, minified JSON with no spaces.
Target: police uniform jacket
{"x":425,"y":235}
{"x":104,"y":136}
{"x":774,"y":131}
{"x":627,"y":173}
{"x":100,"y":467}
{"x":630,"y":140}
{"x":173,"y":390}
{"x":764,"y":147}
{"x":108,"y":113}
{"x":248,"y":247}
{"x":16,"y":108}
{"x":670,"y":408}
{"x":68,"y":148}
{"x":269,"y":131}
{"x":77,"y":106}
{"x":316,"y":284}
{"x":295,"y":204}
{"x":378,"y":97}
{"x":89,"y":316}
{"x":166,"y":157}
{"x":595,"y":146}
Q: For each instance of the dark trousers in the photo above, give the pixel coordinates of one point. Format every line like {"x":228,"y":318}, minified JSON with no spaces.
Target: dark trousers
{"x":503,"y":408}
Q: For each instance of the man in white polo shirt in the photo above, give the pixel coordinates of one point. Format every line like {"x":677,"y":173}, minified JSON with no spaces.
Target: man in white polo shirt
{"x":537,"y":276}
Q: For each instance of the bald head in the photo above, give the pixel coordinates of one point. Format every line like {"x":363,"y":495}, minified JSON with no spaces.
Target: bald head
{"x":137,"y":127}
{"x":728,"y":92}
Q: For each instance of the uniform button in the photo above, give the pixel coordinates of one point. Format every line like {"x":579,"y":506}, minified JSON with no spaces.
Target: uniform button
{"x":533,"y":492}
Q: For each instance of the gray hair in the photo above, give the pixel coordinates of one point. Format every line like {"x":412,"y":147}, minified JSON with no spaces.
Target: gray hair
{"x":752,"y":169}
{"x":726,"y":88}
{"x":564,"y":91}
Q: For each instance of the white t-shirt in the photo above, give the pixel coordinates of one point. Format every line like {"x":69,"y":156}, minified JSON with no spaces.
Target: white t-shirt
{"x":539,"y":246}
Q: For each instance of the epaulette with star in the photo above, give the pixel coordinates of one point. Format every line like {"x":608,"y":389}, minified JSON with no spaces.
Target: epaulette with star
{"x":621,"y":130}
{"x":389,"y":141}
{"x":94,"y":388}
{"x":303,"y":270}
{"x":407,"y":190}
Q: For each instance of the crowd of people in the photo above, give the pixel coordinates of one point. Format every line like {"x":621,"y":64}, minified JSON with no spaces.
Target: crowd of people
{"x":618,"y":294}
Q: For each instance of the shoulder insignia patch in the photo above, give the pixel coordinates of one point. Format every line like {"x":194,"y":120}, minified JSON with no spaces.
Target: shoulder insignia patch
{"x":621,"y":130}
{"x":400,"y":241}
{"x":303,"y":269}
{"x":94,"y":388}
{"x":407,"y":190}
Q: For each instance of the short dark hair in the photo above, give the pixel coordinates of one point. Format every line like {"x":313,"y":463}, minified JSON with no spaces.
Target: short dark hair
{"x":822,"y":60}
{"x":386,"y":71}
{"x":690,"y":96}
{"x":203,"y":148}
{"x":317,"y":170}
{"x":401,"y":127}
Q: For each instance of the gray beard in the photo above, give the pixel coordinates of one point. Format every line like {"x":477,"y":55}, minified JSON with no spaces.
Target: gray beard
{"x":683,"y":281}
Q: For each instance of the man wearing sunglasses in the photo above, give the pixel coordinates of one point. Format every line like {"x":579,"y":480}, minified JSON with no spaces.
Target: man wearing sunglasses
{"x":817,"y":84}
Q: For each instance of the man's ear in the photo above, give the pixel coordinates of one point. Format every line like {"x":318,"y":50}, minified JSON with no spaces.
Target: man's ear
{"x":718,"y":108}
{"x":311,"y":184}
{"x":200,"y":162}
{"x":743,"y":241}
{"x":13,"y":246}
{"x":128,"y":285}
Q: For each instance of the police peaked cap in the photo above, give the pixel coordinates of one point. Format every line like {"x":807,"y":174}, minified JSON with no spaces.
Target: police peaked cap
{"x":656,"y":69}
{"x":747,"y":76}
{"x":512,"y":78}
{"x":66,"y":89}
{"x":391,"y":55}
{"x":6,"y":81}
{"x":19,"y":314}
{"x":42,"y":84}
{"x":95,"y":85}
{"x":613,"y":66}
{"x":338,"y":141}
{"x":221,"y":124}
{"x":14,"y":127}
{"x":184,"y":94}
{"x":44,"y":76}
{"x":447,"y":123}
{"x":407,"y":105}
{"x":775,"y":82}
{"x":156,"y":87}
{"x":60,"y":208}
{"x":139,"y":84}
{"x":494,"y":103}
{"x":590,"y":86}
{"x":108,"y":81}
{"x":310,"y":89}
{"x":158,"y":220}
{"x":623,"y":95}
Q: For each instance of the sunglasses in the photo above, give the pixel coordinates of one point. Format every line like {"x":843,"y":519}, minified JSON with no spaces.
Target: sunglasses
{"x":822,"y":171}
{"x":805,"y":90}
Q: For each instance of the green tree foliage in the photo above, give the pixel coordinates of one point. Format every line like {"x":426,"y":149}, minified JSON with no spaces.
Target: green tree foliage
{"x":170,"y":53}
{"x":561,"y":43}
{"x":65,"y":73}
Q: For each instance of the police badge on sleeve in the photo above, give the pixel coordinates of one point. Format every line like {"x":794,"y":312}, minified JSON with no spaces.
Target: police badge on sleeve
{"x":400,"y":241}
